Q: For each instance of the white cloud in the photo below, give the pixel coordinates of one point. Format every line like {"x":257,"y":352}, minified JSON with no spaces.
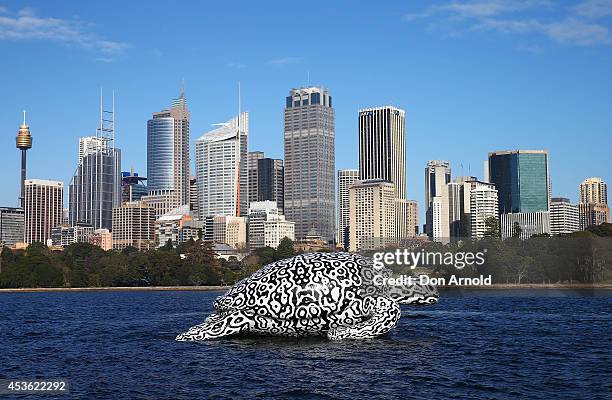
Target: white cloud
{"x":594,"y":8}
{"x":285,"y":60}
{"x":28,"y":25}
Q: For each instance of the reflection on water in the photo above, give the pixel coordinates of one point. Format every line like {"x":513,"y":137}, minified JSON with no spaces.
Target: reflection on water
{"x":472,"y":344}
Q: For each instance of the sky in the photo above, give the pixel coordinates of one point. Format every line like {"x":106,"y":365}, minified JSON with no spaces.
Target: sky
{"x":473,"y":77}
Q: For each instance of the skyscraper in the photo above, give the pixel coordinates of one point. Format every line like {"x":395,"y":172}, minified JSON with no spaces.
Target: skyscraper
{"x":11,"y":226}
{"x":309,"y":126}
{"x":168,"y":152}
{"x":437,"y":176}
{"x":253,"y":167}
{"x":483,"y":206}
{"x":221,"y":168}
{"x":594,"y":209}
{"x":95,"y":187}
{"x":44,"y":201}
{"x":564,"y":216}
{"x":271,"y":182}
{"x":346,"y":178}
{"x":133,"y":225}
{"x":522,"y":180}
{"x":89,"y":145}
{"x":382,"y":154}
{"x":372,"y":215}
{"x":24,"y":143}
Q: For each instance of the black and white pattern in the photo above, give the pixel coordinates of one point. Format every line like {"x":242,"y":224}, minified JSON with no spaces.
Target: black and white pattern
{"x":332,"y":294}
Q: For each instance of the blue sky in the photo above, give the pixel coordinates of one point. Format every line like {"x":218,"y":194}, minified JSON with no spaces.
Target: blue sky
{"x":472,"y":76}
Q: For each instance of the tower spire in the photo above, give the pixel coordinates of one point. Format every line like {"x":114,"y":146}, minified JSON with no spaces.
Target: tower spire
{"x":24,"y":117}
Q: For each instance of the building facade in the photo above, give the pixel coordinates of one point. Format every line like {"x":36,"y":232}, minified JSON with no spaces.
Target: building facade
{"x":89,"y":145}
{"x":437,"y":176}
{"x":530,"y":223}
{"x":309,"y":137}
{"x":346,"y":178}
{"x":253,"y":157}
{"x":372,"y":215}
{"x":64,"y":235}
{"x":483,"y":207}
{"x":133,"y":187}
{"x":564,"y":216}
{"x":271,"y":182}
{"x":133,"y":226}
{"x":226,"y":229}
{"x":11,"y":226}
{"x":44,"y":202}
{"x":266,"y":226}
{"x":102,"y":238}
{"x":593,"y":207}
{"x":168,"y":152}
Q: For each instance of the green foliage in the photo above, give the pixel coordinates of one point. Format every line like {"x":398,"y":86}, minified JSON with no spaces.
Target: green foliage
{"x":285,"y":249}
{"x":492,"y":228}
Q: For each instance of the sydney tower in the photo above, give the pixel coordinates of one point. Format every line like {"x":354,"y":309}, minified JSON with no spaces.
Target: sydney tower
{"x":24,"y":142}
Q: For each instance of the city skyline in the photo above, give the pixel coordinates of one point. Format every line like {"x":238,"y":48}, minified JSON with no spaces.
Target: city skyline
{"x":461,"y":122}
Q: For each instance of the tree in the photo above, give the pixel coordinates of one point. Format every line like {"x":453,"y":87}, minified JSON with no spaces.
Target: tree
{"x":492,"y":227}
{"x":285,"y":249}
{"x":516,"y":230}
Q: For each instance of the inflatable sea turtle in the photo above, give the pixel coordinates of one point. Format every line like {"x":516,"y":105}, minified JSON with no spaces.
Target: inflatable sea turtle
{"x":340,"y":295}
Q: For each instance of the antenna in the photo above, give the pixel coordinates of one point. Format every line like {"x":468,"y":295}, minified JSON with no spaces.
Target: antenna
{"x":239,"y":104}
{"x":24,"y":115}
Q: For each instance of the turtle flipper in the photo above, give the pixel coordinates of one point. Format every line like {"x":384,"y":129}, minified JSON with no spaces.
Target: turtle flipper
{"x":216,"y":326}
{"x":385,"y":315}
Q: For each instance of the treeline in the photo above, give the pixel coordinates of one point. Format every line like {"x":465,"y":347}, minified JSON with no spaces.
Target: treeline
{"x":193,"y":263}
{"x":580,"y":257}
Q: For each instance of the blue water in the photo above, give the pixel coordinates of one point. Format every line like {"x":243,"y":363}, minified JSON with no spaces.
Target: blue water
{"x":533,"y":344}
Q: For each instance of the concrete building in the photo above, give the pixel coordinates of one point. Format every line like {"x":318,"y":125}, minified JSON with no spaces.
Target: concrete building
{"x":133,"y":225}
{"x":271,"y":182}
{"x":226,"y":229}
{"x":346,"y":177}
{"x":437,"y":176}
{"x":483,"y":205}
{"x":531,"y":223}
{"x":221,"y":167}
{"x":413,"y":218}
{"x":564,"y":216}
{"x":267,"y":227}
{"x":253,"y":157}
{"x":65,"y":235}
{"x":372,"y":215}
{"x":44,"y":202}
{"x":309,"y":126}
{"x":593,"y":207}
{"x":12,"y":224}
{"x":382,"y":155}
{"x":160,"y":201}
{"x":170,"y":226}
{"x":102,"y":238}
{"x":168,"y":153}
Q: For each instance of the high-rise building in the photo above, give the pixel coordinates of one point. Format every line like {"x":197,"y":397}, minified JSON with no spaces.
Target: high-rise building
{"x":564,"y":216}
{"x":530,"y":223}
{"x":133,"y":187}
{"x":221,"y":167}
{"x":469,"y":183}
{"x":267,"y":227}
{"x":253,"y":156}
{"x":382,"y":154}
{"x":89,"y":145}
{"x":194,"y":204}
{"x":483,"y":206}
{"x":521,"y":178}
{"x":102,"y":238}
{"x":168,"y":152}
{"x":65,"y":235}
{"x":226,"y":229}
{"x":11,"y":226}
{"x":309,"y":126}
{"x":24,"y":143}
{"x":437,"y":176}
{"x":95,"y":187}
{"x":372,"y":215}
{"x":160,"y":201}
{"x":44,"y":201}
{"x":133,"y":226}
{"x":271,"y":182}
{"x":346,"y":177}
{"x":412,"y":217}
{"x":593,"y":207}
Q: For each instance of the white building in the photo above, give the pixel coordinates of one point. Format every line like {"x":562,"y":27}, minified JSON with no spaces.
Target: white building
{"x":483,"y":205}
{"x":226,"y":229}
{"x":44,"y":209}
{"x":346,"y":177}
{"x":531,"y":223}
{"x":90,"y":145}
{"x":564,"y":216}
{"x":267,"y":227}
{"x":168,"y":226}
{"x":372,"y":220}
{"x":437,"y":176}
{"x":66,"y":235}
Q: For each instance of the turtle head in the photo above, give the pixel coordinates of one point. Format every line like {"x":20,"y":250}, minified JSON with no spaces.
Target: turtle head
{"x":414,"y":294}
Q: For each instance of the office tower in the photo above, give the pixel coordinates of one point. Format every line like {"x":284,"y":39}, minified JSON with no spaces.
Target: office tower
{"x":437,"y":176}
{"x":267,"y":227}
{"x":133,"y":226}
{"x":253,"y":168}
{"x":346,"y":177}
{"x":309,"y":125}
{"x":469,"y":183}
{"x":483,"y":206}
{"x":593,"y":207}
{"x":102,"y":238}
{"x":95,"y":188}
{"x":193,"y":201}
{"x":522,"y":180}
{"x":413,"y":218}
{"x":382,"y":154}
{"x":454,"y":208}
{"x":11,"y":226}
{"x":160,"y":201}
{"x":564,"y":216}
{"x":230,"y":230}
{"x":530,"y":223}
{"x":221,"y":168}
{"x":64,"y":235}
{"x":133,"y":187}
{"x":89,"y":145}
{"x":271,"y":182}
{"x":168,"y":153}
{"x":24,"y":143}
{"x":44,"y":201}
{"x":372,"y":215}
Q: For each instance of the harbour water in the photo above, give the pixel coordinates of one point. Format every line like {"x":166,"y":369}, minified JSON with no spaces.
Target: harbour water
{"x":477,"y":344}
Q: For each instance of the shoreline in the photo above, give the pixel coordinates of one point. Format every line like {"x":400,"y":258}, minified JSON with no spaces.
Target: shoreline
{"x":497,"y":286}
